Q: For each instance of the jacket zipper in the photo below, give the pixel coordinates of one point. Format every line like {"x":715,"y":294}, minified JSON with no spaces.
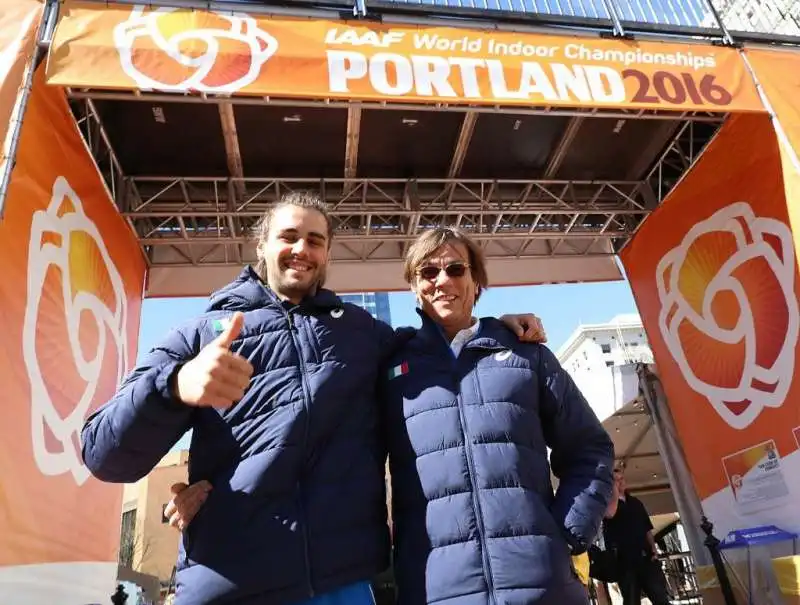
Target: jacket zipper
{"x":476,"y":503}
{"x":307,"y":405}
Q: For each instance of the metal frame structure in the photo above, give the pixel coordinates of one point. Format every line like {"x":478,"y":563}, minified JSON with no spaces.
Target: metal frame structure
{"x":209,"y":220}
{"x":206,"y":222}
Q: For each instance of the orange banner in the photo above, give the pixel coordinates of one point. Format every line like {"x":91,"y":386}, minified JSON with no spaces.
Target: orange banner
{"x":123,"y":47}
{"x":71,"y":294}
{"x":19,"y":23}
{"x":714,"y":274}
{"x":778,"y":73}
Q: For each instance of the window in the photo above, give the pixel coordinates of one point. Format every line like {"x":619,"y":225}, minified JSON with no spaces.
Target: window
{"x":127,"y":540}
{"x":609,"y":364}
{"x":605,"y":348}
{"x":633,"y":344}
{"x":164,"y":518}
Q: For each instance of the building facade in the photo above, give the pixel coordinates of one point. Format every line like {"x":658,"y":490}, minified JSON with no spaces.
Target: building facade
{"x":592,"y":350}
{"x":377,"y":303}
{"x":148,"y":545}
{"x":781,"y":17}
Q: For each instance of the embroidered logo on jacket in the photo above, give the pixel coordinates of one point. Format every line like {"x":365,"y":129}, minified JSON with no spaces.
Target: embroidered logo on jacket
{"x":502,"y":355}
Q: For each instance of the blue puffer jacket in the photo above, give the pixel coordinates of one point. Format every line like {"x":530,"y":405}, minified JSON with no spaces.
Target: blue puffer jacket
{"x":298,"y":501}
{"x":475,"y":517}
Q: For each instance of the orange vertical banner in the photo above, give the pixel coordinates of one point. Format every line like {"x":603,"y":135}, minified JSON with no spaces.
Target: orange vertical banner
{"x":19,"y":23}
{"x":70,"y":297}
{"x":778,"y":75}
{"x":714,"y":274}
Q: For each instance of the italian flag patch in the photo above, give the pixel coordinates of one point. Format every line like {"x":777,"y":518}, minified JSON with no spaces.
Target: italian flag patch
{"x":398,"y":370}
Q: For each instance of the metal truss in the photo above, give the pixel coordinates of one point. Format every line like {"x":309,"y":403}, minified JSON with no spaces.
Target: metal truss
{"x":96,"y":139}
{"x":193,"y":213}
{"x":191,"y":220}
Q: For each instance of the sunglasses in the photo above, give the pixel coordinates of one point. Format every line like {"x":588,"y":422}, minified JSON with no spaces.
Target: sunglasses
{"x":431,"y":272}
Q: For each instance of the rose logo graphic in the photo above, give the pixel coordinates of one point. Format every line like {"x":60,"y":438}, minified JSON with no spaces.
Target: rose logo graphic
{"x":66,"y":250}
{"x":729,"y":315}
{"x":171,"y":49}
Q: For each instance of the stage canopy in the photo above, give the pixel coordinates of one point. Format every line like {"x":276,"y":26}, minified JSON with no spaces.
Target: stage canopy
{"x":548,"y":149}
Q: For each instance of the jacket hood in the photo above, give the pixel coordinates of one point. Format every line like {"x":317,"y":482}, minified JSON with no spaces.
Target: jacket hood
{"x":248,"y":292}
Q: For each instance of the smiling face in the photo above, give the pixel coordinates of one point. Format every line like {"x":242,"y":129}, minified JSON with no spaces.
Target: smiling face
{"x":295,"y":251}
{"x":445,"y":287}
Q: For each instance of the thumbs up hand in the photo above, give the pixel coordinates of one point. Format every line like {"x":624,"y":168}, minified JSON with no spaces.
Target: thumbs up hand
{"x":216,"y":377}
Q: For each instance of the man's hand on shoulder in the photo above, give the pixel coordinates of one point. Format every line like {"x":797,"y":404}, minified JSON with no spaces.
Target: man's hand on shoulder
{"x":217,"y":377}
{"x":527,"y":326}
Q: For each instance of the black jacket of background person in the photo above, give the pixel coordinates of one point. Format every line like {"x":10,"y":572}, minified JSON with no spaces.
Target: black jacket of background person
{"x":626,"y":531}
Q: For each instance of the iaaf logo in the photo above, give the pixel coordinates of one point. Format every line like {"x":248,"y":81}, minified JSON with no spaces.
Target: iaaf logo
{"x":729,"y":314}
{"x":65,"y":240}
{"x":172,"y":49}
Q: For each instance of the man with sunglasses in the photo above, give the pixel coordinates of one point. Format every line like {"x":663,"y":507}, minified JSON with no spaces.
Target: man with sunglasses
{"x":278,"y":382}
{"x":455,"y":269}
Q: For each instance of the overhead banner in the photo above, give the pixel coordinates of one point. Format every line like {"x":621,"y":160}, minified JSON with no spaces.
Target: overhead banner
{"x":178,"y":50}
{"x":70,"y":296}
{"x":19,"y":23}
{"x":714,"y":274}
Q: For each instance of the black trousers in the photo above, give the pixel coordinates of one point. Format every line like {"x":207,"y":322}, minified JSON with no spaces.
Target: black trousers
{"x":646,"y":577}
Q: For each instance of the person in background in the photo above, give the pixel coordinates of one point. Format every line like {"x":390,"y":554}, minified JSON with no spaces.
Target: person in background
{"x":277,"y":380}
{"x":629,"y":531}
{"x":120,"y":597}
{"x":470,"y":414}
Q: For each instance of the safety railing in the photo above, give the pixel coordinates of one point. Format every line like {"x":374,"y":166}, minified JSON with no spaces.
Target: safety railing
{"x":728,"y":21}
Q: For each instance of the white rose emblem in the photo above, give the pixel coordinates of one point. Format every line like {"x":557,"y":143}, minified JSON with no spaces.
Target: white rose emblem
{"x":729,"y":314}
{"x":65,"y":242}
{"x":172,"y":49}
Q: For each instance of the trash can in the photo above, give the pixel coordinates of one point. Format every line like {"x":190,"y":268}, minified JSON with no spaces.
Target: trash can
{"x":709,"y":587}
{"x":750,"y":556}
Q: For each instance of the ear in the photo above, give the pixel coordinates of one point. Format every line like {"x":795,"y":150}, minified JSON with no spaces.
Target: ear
{"x":417,"y":298}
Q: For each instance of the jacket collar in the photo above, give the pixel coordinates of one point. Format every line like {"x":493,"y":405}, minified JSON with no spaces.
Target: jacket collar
{"x":248,"y":291}
{"x":491,"y":334}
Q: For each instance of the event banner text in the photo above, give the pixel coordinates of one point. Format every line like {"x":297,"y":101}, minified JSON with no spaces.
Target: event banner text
{"x":175,"y":50}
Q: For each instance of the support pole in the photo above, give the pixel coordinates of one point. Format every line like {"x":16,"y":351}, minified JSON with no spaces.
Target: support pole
{"x":712,"y":543}
{"x":15,"y":127}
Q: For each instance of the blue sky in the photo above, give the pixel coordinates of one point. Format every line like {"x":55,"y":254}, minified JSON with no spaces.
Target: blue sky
{"x":562,"y":308}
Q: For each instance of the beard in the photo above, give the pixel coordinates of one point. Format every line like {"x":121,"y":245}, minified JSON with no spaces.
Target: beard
{"x":308,"y":283}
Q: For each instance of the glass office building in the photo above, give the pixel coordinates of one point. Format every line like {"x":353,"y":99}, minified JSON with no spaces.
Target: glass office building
{"x":377,"y":303}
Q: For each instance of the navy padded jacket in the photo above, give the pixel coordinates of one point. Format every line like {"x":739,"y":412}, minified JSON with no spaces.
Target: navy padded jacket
{"x":476,"y":520}
{"x":298,"y":502}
